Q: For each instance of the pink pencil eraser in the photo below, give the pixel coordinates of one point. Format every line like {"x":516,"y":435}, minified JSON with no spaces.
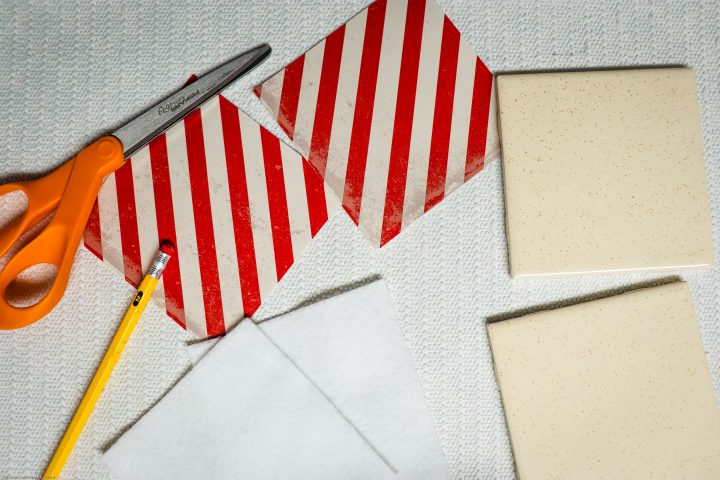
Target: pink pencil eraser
{"x":167,"y":247}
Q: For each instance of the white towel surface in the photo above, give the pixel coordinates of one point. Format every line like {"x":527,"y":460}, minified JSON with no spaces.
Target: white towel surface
{"x":72,"y":72}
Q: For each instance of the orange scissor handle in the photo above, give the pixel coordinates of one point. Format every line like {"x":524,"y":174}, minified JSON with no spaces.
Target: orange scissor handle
{"x":58,"y":241}
{"x":43,"y":196}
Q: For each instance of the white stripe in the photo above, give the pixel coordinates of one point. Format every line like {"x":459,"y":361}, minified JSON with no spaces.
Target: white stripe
{"x":345,"y":102}
{"x":421,"y":135}
{"x":110,"y":224}
{"x":145,"y":213}
{"x":187,"y":250}
{"x":222,"y":214}
{"x":297,"y":204}
{"x":271,"y":91}
{"x":259,"y":206}
{"x":158,"y":295}
{"x":372,"y":207}
{"x":332,"y":201}
{"x":460,"y":126}
{"x":307,"y":101}
{"x":492,"y":142}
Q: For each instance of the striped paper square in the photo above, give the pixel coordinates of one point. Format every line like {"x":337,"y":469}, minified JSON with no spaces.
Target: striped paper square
{"x":239,"y":205}
{"x":393,"y":109}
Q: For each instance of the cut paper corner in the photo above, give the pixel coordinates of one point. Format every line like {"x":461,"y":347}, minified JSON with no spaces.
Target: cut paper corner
{"x":220,"y":428}
{"x":392,"y":127}
{"x":239,"y":204}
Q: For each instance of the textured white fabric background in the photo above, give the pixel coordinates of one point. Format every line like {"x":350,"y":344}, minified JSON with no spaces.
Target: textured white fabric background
{"x":73,"y":70}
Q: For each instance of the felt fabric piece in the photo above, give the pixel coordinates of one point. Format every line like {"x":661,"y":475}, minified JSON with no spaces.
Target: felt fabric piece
{"x":239,"y":205}
{"x":609,"y":389}
{"x":393,"y":109}
{"x":604,"y":171}
{"x":351,"y":348}
{"x":244,"y":412}
{"x":196,"y":351}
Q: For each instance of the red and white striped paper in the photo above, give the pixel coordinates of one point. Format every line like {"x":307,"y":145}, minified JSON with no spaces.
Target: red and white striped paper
{"x":239,"y":205}
{"x":393,"y":109}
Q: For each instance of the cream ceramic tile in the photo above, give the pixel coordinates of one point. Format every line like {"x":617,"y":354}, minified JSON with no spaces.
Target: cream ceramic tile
{"x":603,"y":171}
{"x":617,"y":388}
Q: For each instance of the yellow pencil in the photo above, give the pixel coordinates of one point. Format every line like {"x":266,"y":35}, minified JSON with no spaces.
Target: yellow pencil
{"x":87,"y":404}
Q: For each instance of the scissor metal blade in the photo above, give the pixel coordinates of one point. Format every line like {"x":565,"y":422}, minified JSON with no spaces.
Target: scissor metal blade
{"x":148,"y":125}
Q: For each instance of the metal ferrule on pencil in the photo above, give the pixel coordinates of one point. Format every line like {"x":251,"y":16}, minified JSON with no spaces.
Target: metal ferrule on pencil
{"x":158,"y":264}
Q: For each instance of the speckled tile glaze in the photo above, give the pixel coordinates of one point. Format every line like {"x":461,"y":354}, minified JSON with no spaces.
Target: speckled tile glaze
{"x":617,"y":388}
{"x":603,"y":171}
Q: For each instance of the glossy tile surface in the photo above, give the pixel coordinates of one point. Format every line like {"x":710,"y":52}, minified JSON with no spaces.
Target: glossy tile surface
{"x":616,"y":388}
{"x":603,"y":171}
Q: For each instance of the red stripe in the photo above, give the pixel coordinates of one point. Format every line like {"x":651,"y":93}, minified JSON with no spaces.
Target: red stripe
{"x":258,"y":90}
{"x":277,"y":201}
{"x":402,"y":130}
{"x":292,"y":81}
{"x":207,"y":256}
{"x":327,"y":91}
{"x":442,"y":120}
{"x":315,"y":192}
{"x":166,"y":227}
{"x":477,"y":132}
{"x":128,"y":224}
{"x":240,"y":206}
{"x":190,"y":80}
{"x":173,"y":314}
{"x":92,"y":236}
{"x":364,"y":102}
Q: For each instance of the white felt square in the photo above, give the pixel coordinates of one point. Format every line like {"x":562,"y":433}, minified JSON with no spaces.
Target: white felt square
{"x":351,"y":347}
{"x":244,"y":412}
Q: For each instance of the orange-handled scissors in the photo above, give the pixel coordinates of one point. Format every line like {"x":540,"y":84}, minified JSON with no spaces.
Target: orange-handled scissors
{"x":70,"y":191}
